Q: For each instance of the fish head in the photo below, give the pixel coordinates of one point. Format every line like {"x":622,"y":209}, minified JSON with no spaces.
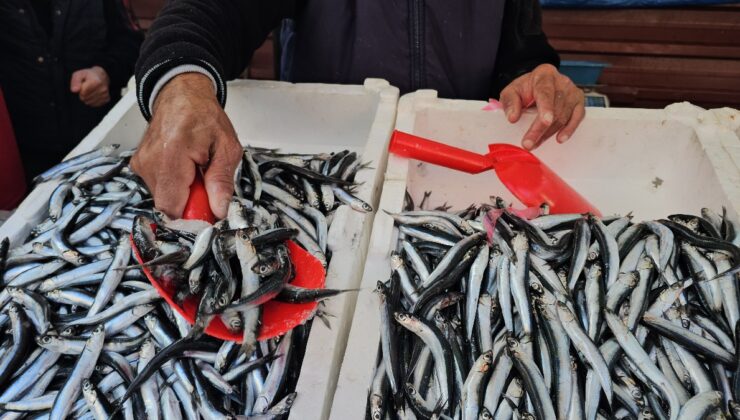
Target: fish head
{"x":88,"y":390}
{"x":98,"y":330}
{"x":396,"y":261}
{"x":487,"y":358}
{"x":403,"y":318}
{"x":410,"y":389}
{"x":290,"y":399}
{"x":512,"y":344}
{"x":564,"y":313}
{"x":233,"y":323}
{"x":376,"y":407}
{"x":535,"y":287}
{"x":268,"y":264}
{"x":243,"y":235}
{"x":484,"y":414}
{"x":73,"y":255}
{"x":69,"y":331}
{"x":381,"y":289}
{"x":647,"y":414}
{"x":46,"y":340}
{"x":735,"y":409}
{"x":632,"y":278}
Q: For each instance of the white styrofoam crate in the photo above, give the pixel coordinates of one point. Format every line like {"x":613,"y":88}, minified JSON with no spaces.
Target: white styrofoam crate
{"x":651,"y":162}
{"x":301,"y":118}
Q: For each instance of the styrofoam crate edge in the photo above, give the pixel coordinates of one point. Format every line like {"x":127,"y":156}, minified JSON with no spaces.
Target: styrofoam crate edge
{"x":15,"y":229}
{"x":723,"y":150}
{"x":348,"y":239}
{"x":360,"y":354}
{"x":325,"y":347}
{"x":376,"y":149}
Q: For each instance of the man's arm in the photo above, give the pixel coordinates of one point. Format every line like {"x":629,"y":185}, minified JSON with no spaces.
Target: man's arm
{"x":193,"y":47}
{"x":215,"y":38}
{"x":122,"y":46}
{"x":523,"y":45}
{"x":526,"y":74}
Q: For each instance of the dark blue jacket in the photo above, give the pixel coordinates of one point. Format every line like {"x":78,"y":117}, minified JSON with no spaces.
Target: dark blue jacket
{"x":463,"y":48}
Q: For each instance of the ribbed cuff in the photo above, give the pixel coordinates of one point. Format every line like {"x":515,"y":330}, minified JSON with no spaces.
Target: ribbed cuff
{"x":172,"y":73}
{"x":155,"y":77}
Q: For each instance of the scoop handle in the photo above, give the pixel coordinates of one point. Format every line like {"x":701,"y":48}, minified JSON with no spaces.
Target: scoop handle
{"x":415,"y":147}
{"x":198,"y":207}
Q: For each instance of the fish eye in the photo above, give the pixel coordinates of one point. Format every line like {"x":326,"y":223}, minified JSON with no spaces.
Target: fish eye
{"x":222,"y":301}
{"x":46,"y":339}
{"x":376,"y":415}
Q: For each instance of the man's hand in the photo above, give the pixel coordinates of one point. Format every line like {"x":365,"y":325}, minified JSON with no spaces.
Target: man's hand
{"x":92,"y":86}
{"x":560,"y":104}
{"x":188,"y":130}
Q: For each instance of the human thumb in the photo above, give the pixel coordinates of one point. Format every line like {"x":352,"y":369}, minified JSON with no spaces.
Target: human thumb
{"x":78,"y":78}
{"x":219,"y":180}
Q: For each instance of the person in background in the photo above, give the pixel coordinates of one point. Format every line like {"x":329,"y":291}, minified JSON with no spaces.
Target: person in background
{"x":62,"y":66}
{"x":470,"y":49}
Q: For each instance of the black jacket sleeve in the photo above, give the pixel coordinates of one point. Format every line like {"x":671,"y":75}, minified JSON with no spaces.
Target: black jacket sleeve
{"x":217,"y":35}
{"x":523,"y":44}
{"x":122,"y":47}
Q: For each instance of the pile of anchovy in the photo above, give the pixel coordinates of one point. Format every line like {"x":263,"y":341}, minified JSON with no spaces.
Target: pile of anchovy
{"x":490,"y":315}
{"x":86,"y":336}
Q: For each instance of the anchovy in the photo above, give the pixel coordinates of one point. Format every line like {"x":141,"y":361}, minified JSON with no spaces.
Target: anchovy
{"x":83,"y":369}
{"x":689,"y":339}
{"x":441,"y":352}
{"x":21,"y":334}
{"x":634,"y":351}
{"x":583,"y":343}
{"x":533,"y":380}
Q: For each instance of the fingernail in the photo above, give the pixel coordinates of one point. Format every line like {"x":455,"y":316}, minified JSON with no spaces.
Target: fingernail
{"x":564,"y":138}
{"x":528,"y":144}
{"x":548,"y":117}
{"x":222,"y":208}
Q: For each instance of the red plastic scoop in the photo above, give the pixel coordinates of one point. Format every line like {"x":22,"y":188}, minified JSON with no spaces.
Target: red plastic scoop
{"x":530,"y":180}
{"x":277,"y":317}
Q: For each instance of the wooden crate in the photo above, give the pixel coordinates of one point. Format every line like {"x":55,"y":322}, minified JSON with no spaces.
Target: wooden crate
{"x":657,"y":56}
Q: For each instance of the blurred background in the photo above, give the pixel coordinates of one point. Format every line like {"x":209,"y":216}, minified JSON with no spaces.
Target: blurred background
{"x":653,"y":56}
